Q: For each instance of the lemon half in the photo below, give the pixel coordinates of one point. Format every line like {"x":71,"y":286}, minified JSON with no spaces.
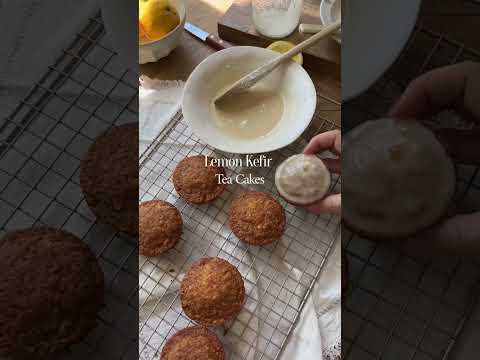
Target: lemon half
{"x":283,"y":47}
{"x":157,"y":18}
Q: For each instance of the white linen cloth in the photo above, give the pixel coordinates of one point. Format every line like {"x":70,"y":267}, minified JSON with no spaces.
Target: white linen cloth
{"x":159,"y":102}
{"x":319,"y":328}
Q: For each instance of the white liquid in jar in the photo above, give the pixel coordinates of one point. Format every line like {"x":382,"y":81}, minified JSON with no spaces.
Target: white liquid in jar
{"x":276,"y":18}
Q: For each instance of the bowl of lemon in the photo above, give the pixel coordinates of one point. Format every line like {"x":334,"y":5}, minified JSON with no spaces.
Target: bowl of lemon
{"x":160,"y":27}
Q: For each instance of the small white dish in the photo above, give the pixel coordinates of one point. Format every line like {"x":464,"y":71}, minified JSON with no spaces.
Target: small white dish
{"x":155,"y":50}
{"x":374,"y":33}
{"x":331,"y":11}
{"x":215,"y":73}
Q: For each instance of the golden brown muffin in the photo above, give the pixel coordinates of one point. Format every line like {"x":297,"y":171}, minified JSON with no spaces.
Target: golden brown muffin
{"x":257,"y":218}
{"x":160,"y":227}
{"x":212,"y":292}
{"x":109,"y":178}
{"x":197,"y":183}
{"x":51,"y":289}
{"x":193,"y":343}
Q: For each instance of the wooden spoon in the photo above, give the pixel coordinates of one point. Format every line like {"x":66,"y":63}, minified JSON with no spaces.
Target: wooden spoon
{"x":253,"y":77}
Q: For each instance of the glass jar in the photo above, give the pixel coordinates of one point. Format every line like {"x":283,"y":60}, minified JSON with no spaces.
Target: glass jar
{"x":276,"y":18}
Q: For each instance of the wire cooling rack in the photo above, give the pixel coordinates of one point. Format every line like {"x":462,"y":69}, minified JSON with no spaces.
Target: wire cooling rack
{"x":86,"y":91}
{"x":278,"y":278}
{"x":401,"y":307}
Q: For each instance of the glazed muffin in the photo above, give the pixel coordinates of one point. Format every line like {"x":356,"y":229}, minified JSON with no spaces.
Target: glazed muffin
{"x":193,"y":343}
{"x":51,"y":289}
{"x":302,"y":179}
{"x":398,"y":179}
{"x":109,"y":178}
{"x":212,"y":292}
{"x":197,"y":183}
{"x":160,"y":227}
{"x":257,"y":218}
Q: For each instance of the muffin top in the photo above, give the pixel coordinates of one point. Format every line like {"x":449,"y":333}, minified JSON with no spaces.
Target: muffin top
{"x":51,"y":288}
{"x":196,"y":182}
{"x":398,"y":179}
{"x":257,"y":218}
{"x":193,"y":343}
{"x":212,"y":292}
{"x":109,"y":177}
{"x":109,"y":172}
{"x":160,"y":227}
{"x":302,"y":179}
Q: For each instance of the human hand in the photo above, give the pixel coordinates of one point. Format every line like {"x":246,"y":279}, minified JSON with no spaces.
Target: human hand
{"x":454,"y":87}
{"x":330,"y":140}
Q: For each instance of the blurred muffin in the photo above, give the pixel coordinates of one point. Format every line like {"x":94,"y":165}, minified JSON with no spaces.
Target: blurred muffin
{"x":193,"y":343}
{"x":302,"y":179}
{"x":212,"y":292}
{"x":160,"y":227}
{"x":197,"y":183}
{"x":109,"y":177}
{"x":257,"y":218}
{"x":51,"y":289}
{"x":397,"y":179}
{"x":345,"y":275}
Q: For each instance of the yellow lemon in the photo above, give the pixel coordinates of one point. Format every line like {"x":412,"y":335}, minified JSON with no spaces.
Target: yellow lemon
{"x":283,"y":47}
{"x":157,"y":18}
{"x":141,"y":32}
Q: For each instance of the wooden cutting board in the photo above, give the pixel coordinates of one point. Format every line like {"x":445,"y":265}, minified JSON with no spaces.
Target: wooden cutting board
{"x":237,"y":27}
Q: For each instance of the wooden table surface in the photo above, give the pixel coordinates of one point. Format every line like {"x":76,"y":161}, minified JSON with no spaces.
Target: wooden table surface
{"x":458,"y":19}
{"x":205,"y":13}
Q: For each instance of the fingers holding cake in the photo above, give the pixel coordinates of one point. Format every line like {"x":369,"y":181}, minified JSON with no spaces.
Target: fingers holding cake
{"x":305,"y":179}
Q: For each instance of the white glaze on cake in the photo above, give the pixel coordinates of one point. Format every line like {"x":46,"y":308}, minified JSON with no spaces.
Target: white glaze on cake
{"x":302,"y":179}
{"x":398,"y":179}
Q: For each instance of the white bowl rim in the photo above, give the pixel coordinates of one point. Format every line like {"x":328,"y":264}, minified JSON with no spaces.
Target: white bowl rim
{"x":221,"y":148}
{"x":181,"y":24}
{"x":390,"y":60}
{"x":324,"y":5}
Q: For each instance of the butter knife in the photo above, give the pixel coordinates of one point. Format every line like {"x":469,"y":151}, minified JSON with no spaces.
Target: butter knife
{"x":210,"y":39}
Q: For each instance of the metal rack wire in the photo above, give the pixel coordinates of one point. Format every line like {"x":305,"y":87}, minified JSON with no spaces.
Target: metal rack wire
{"x":86,"y":91}
{"x":278,"y":278}
{"x":401,"y":307}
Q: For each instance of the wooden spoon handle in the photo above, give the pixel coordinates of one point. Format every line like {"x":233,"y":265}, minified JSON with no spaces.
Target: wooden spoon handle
{"x":327,"y":30}
{"x":252,"y":78}
{"x":310,"y":28}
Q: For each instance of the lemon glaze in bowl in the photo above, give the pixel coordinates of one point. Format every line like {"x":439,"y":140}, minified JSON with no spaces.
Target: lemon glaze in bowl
{"x":215,"y":72}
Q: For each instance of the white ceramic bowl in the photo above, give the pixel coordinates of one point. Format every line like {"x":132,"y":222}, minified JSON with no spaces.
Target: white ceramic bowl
{"x":215,"y":72}
{"x":331,"y":11}
{"x":374,"y":32}
{"x":155,"y":50}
